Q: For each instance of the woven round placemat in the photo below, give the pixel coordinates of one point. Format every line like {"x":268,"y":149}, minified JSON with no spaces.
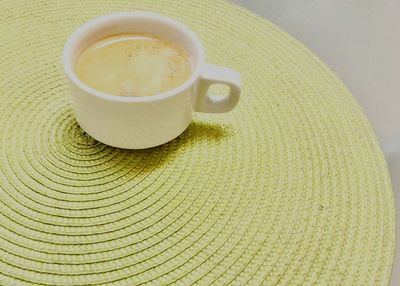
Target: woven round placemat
{"x":291,"y":188}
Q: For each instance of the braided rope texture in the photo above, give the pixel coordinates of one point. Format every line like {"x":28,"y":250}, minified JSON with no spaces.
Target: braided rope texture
{"x":291,"y":188}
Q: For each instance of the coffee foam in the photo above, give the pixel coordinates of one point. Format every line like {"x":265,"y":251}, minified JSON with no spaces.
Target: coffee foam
{"x":134,"y":65}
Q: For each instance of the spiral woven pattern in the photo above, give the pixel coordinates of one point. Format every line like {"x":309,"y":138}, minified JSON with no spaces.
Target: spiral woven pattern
{"x":291,"y":188}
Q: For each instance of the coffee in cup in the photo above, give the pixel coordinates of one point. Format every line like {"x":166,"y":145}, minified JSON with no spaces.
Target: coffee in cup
{"x":133,"y":64}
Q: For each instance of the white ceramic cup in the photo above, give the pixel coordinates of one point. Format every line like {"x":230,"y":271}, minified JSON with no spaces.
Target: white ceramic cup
{"x":147,"y":121}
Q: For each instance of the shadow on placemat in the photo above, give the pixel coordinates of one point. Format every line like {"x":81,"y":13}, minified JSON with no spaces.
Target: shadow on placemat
{"x":198,"y":133}
{"x":205,"y":131}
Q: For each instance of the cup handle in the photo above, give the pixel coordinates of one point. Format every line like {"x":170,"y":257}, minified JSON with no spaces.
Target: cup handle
{"x":212,"y":74}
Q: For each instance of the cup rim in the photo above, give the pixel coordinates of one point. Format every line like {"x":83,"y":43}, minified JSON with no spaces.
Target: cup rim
{"x":86,"y":27}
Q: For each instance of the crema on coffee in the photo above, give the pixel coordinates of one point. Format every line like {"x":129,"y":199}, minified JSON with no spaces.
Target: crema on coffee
{"x":133,"y":64}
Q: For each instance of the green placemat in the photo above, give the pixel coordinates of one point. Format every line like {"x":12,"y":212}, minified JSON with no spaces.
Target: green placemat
{"x":291,"y":188}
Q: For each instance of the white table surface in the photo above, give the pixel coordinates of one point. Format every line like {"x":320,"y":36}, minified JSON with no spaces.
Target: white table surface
{"x":360,"y":41}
